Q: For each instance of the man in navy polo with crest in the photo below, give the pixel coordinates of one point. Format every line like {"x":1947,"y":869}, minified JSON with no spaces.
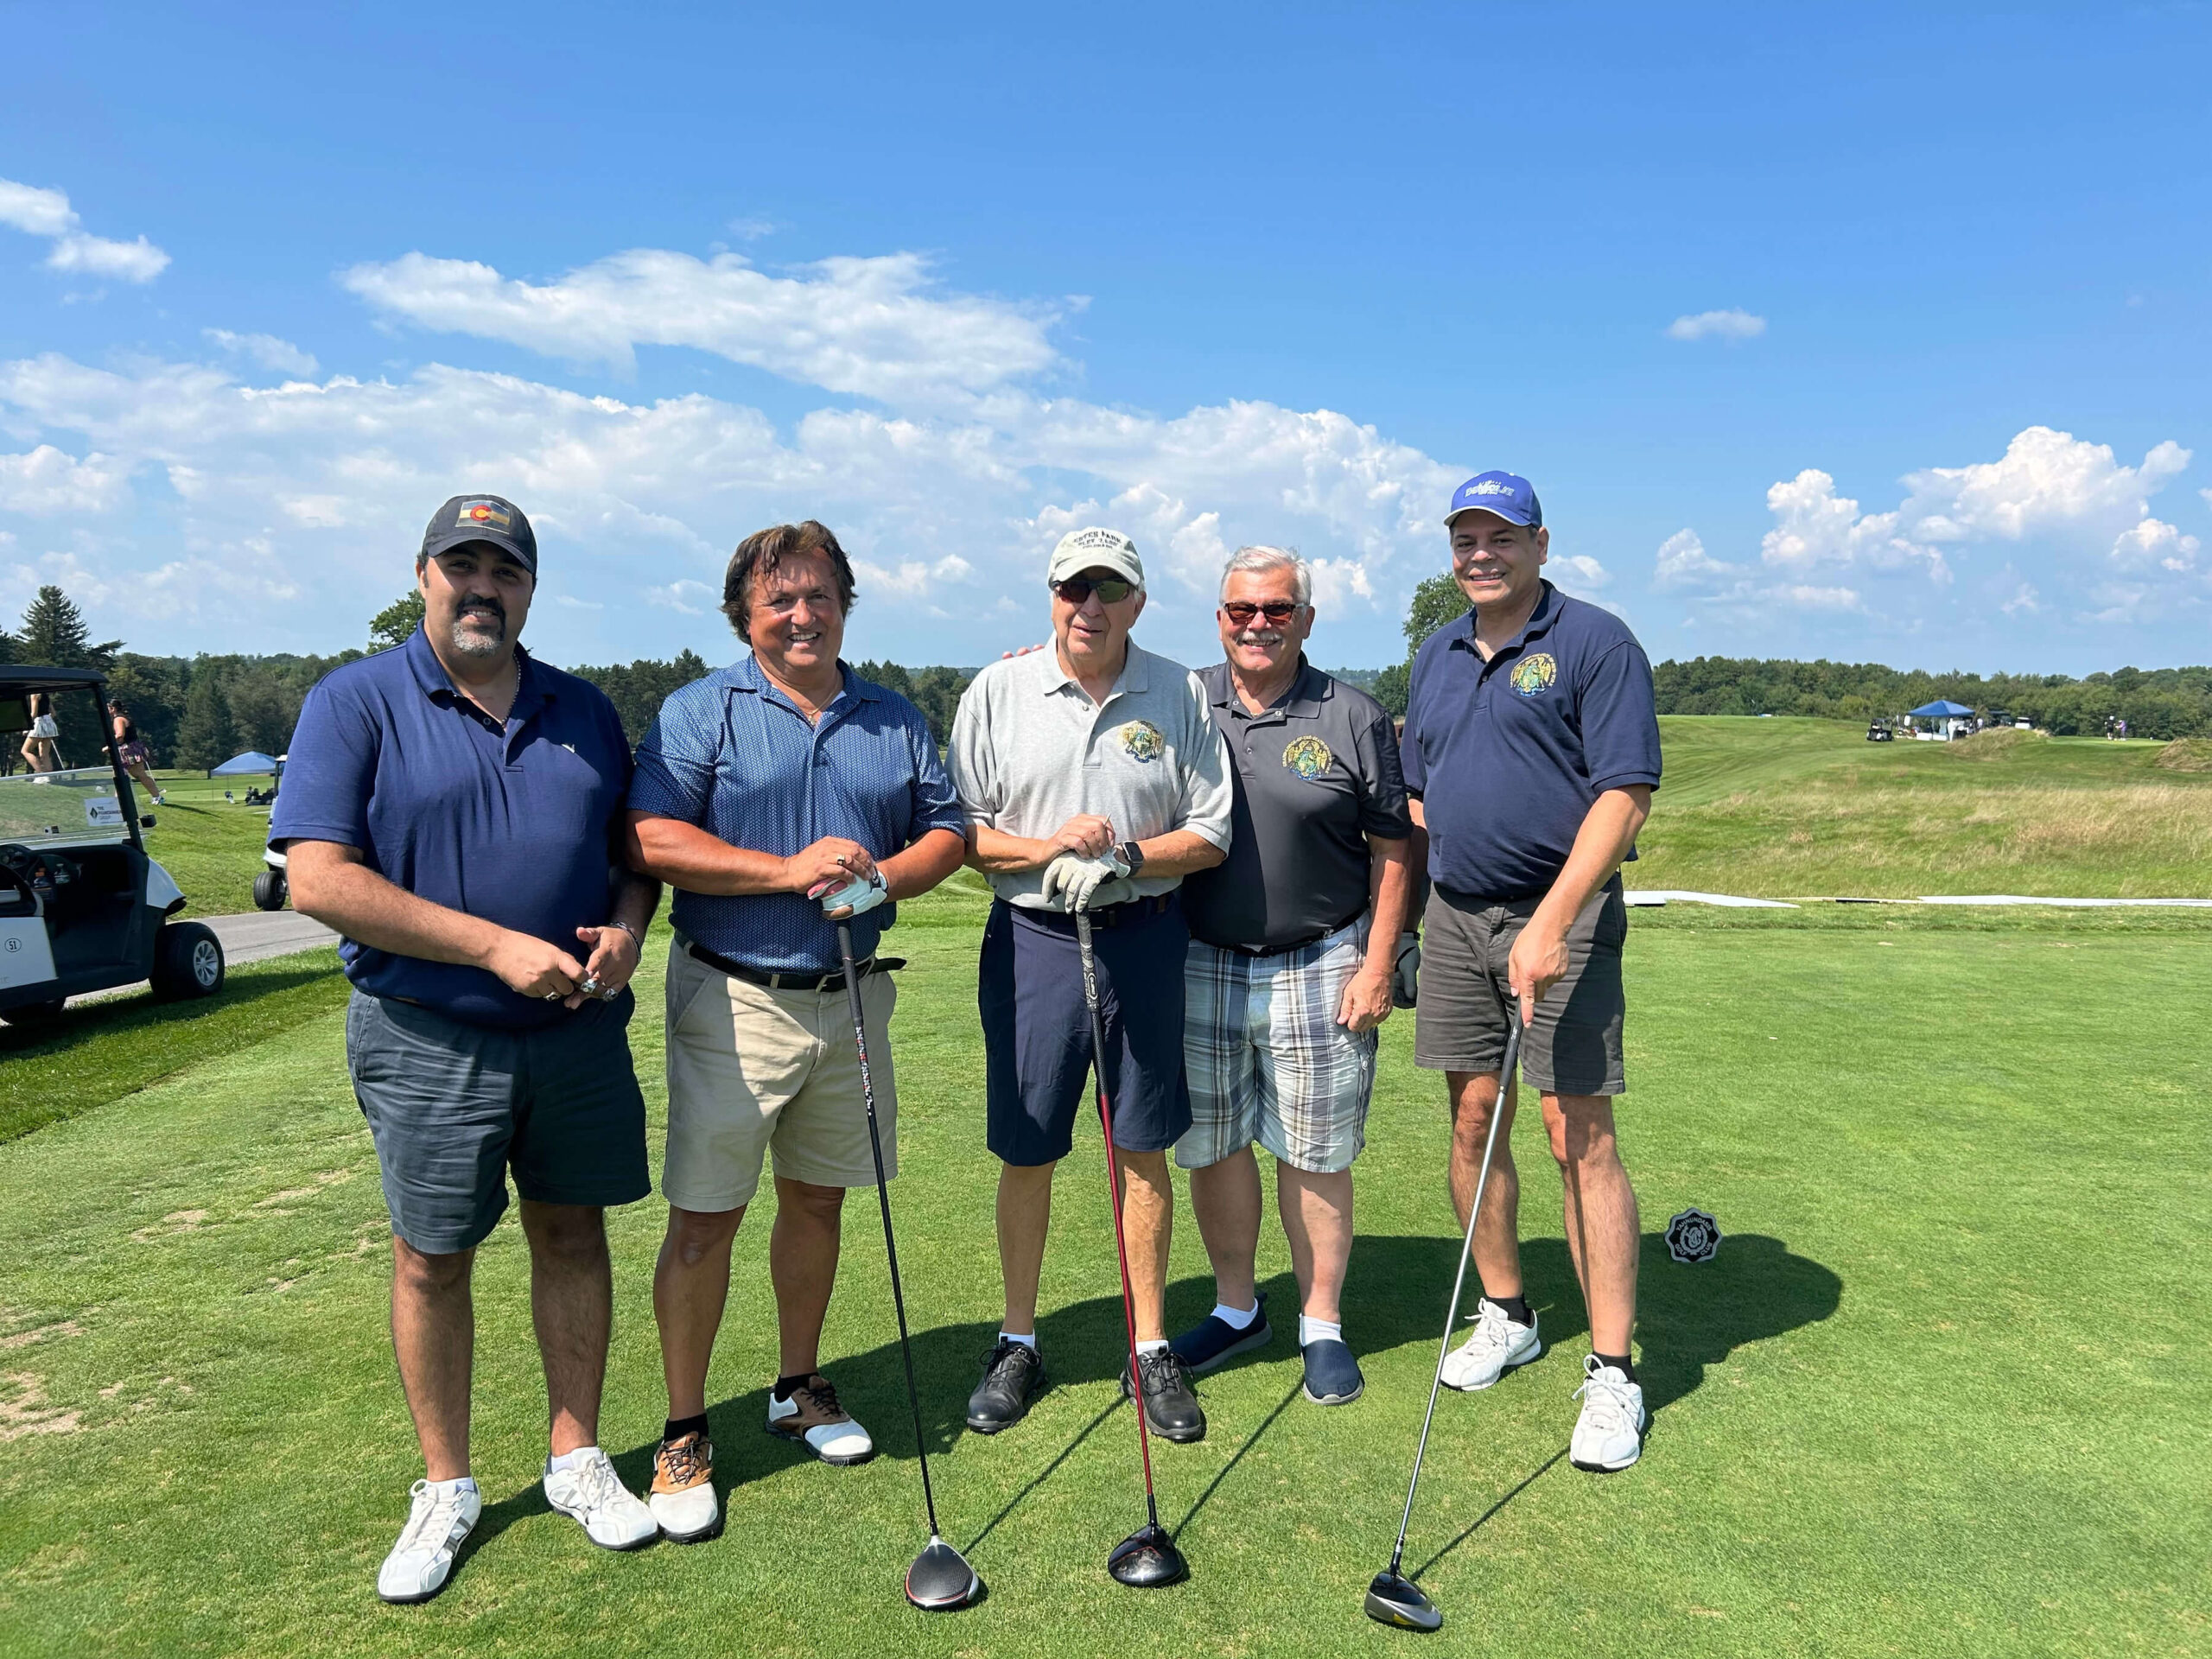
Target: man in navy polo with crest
{"x":1531,"y":749}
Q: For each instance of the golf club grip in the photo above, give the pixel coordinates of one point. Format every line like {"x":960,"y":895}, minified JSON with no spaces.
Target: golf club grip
{"x":883,"y":1199}
{"x":1459,"y":1279}
{"x":1113,"y":1188}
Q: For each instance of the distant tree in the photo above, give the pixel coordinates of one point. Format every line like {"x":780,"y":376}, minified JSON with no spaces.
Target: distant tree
{"x":391,"y":626}
{"x":1436,"y":601}
{"x":207,"y":736}
{"x":11,"y":649}
{"x":637,"y":690}
{"x":259,"y":718}
{"x":1393,"y":687}
{"x":54,"y":635}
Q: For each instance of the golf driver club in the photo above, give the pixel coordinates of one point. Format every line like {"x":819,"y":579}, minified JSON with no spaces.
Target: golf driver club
{"x":1147,"y":1557}
{"x":940,"y":1579}
{"x":1394,"y":1599}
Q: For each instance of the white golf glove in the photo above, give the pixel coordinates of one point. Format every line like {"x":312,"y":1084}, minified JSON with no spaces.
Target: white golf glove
{"x":1072,"y":881}
{"x":860,"y":895}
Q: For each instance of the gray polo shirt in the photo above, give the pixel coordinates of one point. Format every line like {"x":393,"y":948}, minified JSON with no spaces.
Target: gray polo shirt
{"x":1030,"y":750}
{"x":1317,"y":774}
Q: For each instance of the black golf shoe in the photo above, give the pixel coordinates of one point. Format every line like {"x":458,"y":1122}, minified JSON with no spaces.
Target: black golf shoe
{"x":1171,"y":1408}
{"x":1213,"y":1342}
{"x":1013,"y":1375}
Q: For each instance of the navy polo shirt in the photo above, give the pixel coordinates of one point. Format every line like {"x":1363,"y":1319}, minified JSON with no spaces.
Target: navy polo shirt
{"x":512,"y":823}
{"x":734,"y":756}
{"x":1508,"y":756}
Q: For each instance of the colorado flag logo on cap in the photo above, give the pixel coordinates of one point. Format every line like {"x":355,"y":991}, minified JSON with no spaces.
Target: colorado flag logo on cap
{"x":484,"y":515}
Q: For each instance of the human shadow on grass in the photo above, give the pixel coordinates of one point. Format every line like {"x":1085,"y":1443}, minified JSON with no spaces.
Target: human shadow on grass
{"x":113,"y":1016}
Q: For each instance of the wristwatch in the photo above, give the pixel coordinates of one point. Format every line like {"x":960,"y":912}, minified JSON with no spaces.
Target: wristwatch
{"x":1132,"y":854}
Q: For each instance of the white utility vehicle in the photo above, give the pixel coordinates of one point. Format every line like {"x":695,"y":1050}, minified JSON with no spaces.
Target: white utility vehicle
{"x":82,"y":908}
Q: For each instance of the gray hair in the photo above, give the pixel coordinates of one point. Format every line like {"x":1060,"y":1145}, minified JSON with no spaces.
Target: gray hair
{"x":1272,"y":558}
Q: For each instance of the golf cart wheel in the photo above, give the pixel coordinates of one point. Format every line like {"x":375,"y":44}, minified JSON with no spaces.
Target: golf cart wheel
{"x":35,"y":1013}
{"x":188,"y":961}
{"x":268,"y":890}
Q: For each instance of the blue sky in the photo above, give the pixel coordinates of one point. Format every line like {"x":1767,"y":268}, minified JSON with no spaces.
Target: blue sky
{"x":1879,"y":334}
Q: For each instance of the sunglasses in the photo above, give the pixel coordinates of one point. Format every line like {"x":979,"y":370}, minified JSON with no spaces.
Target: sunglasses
{"x":1277,"y":611}
{"x":1078,"y":590}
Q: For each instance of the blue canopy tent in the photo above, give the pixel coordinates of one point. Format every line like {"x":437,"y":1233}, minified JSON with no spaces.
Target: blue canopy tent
{"x":1946,"y":717}
{"x":251,"y":764}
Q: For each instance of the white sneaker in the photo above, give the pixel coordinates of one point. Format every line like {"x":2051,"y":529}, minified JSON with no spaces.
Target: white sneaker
{"x":1496,"y":1347}
{"x":441,"y":1517}
{"x":1609,"y":1435}
{"x":814,"y":1418}
{"x":591,"y":1492}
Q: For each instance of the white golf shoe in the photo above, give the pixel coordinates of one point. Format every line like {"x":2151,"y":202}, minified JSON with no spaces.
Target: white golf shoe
{"x":813,"y":1418}
{"x":1609,"y":1435}
{"x":682,"y":1498}
{"x":590,"y":1492}
{"x":441,"y":1516}
{"x":1496,"y":1346}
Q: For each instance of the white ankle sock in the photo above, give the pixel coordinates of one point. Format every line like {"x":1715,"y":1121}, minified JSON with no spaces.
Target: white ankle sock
{"x":1237,"y":1318}
{"x":1028,"y":1342}
{"x":1157,"y":1345}
{"x":1312,"y":1331}
{"x":571,"y":1460}
{"x":454,"y":1485}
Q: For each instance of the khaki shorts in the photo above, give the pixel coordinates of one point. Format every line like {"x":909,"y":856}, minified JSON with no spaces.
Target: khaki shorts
{"x":751,"y":1070}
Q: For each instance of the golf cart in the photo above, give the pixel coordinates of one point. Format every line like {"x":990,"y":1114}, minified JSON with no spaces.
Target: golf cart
{"x":271,"y":886}
{"x":82,"y":908}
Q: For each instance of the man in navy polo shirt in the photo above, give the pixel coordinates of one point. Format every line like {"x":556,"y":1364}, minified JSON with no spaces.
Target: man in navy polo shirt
{"x":452,"y":808}
{"x":1531,"y":750}
{"x":778,"y":796}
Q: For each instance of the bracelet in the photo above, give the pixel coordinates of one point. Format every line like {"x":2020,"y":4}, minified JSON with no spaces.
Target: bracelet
{"x":635,"y":937}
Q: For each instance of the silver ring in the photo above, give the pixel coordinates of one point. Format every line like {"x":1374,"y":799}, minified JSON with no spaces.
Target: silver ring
{"x":590,"y":985}
{"x":552,"y":996}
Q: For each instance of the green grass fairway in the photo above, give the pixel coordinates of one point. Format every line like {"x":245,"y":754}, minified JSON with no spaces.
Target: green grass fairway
{"x":1941,"y":1392}
{"x":1785,"y":808}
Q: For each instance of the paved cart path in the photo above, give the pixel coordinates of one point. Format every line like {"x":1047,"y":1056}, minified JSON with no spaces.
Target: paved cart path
{"x":251,"y":936}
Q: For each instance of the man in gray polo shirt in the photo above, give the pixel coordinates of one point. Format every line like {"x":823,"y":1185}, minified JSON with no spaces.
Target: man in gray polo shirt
{"x":1292,"y":942}
{"x":1093,"y":779}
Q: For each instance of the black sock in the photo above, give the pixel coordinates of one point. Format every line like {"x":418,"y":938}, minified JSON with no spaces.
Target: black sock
{"x":785,"y":1385}
{"x":679,"y":1427}
{"x":1621,"y":1362}
{"x":1516,"y":1308}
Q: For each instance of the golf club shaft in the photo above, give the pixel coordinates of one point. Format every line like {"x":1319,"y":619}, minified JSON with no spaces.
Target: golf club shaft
{"x":1459,"y":1280}
{"x":883,"y":1196}
{"x":1114,"y":1186}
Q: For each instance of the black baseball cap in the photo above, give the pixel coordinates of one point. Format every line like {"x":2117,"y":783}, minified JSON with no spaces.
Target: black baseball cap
{"x":491,"y":518}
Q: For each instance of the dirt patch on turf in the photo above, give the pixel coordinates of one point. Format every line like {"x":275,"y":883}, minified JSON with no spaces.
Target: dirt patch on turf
{"x":24,"y":1410}
{"x":2185,"y":754}
{"x":177,"y":1221}
{"x":25,"y":1339}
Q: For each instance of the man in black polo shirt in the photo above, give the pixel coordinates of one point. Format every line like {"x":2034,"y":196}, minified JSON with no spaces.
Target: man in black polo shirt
{"x":1531,"y":749}
{"x":1289,"y":963}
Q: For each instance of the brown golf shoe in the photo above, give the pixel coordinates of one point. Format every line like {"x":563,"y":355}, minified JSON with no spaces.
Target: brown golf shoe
{"x":813,"y":1419}
{"x":682,"y":1496}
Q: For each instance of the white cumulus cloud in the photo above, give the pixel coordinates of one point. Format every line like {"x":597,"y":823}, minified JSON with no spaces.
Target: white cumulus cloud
{"x":39,"y":212}
{"x":878,"y":326}
{"x":266,"y":350}
{"x":47,"y":481}
{"x":1733,"y":324}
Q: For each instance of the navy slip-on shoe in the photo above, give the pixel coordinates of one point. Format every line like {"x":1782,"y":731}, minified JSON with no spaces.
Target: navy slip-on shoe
{"x":1211,"y":1343}
{"x":1332,"y":1376}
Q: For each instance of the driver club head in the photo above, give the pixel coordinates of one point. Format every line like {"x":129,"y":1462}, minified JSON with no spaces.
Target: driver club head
{"x":940,"y":1580}
{"x":1147,"y":1557}
{"x":1394,"y":1599}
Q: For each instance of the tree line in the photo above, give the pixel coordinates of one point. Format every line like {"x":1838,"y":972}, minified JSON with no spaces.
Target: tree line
{"x":198,"y":711}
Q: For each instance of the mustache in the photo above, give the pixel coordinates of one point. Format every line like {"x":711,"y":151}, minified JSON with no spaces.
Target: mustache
{"x":481,"y":604}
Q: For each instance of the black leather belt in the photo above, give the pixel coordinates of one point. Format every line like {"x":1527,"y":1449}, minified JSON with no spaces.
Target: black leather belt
{"x":1260,"y":951}
{"x":833,"y":980}
{"x":1059,"y":921}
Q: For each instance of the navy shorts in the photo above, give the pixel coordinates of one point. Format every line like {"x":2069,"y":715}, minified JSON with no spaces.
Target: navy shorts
{"x":1037,"y":1031}
{"x":453,"y":1107}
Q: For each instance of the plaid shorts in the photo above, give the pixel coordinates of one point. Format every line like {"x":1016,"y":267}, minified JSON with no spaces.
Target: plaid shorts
{"x":1267,"y":1060}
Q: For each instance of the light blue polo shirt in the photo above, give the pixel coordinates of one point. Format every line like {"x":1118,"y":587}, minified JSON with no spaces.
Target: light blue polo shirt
{"x":736,"y":757}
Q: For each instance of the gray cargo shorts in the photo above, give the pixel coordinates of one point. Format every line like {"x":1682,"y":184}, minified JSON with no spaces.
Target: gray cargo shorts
{"x":453,"y":1107}
{"x":1574,"y":1046}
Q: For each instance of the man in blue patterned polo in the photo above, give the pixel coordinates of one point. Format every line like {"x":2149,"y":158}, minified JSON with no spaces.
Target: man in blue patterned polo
{"x":778,"y":796}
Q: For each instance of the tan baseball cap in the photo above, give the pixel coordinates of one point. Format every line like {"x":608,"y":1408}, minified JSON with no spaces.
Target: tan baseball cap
{"x":1095,"y":549}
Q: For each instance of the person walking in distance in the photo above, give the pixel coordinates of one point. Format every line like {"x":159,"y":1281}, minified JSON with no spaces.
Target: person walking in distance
{"x":1293,"y":941}
{"x":778,"y":796}
{"x":1531,"y":751}
{"x":453,"y":810}
{"x":1094,"y":780}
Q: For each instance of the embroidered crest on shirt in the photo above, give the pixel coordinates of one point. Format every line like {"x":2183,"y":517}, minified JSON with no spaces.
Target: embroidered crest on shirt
{"x":1308,"y":757}
{"x":1143,"y":740}
{"x":1533,"y":676}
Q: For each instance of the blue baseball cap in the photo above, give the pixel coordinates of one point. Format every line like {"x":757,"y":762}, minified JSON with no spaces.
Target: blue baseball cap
{"x":1511,"y":498}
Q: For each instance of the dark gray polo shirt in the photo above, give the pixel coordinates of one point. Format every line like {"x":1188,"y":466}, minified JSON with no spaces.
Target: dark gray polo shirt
{"x":1315,"y":774}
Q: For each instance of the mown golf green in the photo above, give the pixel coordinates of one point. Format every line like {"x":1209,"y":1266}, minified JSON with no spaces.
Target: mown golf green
{"x":1940,"y":1393}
